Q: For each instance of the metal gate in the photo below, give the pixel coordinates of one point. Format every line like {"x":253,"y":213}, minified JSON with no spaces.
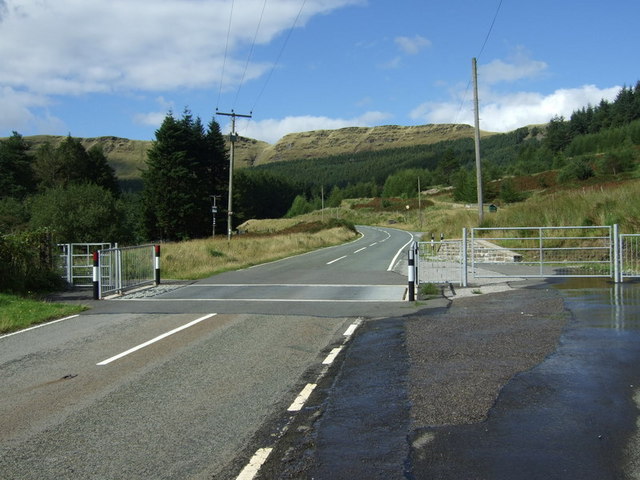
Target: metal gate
{"x":541,"y":252}
{"x":76,"y":262}
{"x":531,"y":252}
{"x":629,"y":255}
{"x":442,"y":261}
{"x":125,"y":268}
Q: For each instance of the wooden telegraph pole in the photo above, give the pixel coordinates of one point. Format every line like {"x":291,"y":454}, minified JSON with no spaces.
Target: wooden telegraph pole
{"x":233,"y":137}
{"x":477,"y":140}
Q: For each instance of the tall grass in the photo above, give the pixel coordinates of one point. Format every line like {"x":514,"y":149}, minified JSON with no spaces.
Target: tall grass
{"x":201,"y":258}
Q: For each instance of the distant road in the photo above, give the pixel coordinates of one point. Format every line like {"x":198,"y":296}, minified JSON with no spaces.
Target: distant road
{"x":183,"y":384}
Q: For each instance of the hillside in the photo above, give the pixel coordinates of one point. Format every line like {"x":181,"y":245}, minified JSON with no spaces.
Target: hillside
{"x":326,"y":143}
{"x":128,"y":157}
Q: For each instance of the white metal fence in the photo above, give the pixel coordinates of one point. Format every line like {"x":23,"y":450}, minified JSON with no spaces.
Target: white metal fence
{"x":530,"y":252}
{"x":629,"y":255}
{"x":76,"y":262}
{"x":125,"y":268}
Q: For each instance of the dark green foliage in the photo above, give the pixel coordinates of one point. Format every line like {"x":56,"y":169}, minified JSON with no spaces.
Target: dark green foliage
{"x":28,"y":263}
{"x":465,"y":186}
{"x":509,"y":193}
{"x":300,"y":206}
{"x":185,"y":166}
{"x":404,"y":183}
{"x":16,"y":174}
{"x":576,"y":169}
{"x":257,"y":194}
{"x":69,"y":163}
{"x":77,"y":213}
{"x":13,"y":215}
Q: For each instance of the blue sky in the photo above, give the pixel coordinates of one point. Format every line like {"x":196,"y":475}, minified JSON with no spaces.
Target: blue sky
{"x":116,"y":67}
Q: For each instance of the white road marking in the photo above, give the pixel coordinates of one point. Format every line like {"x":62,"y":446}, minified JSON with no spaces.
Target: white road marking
{"x":253,"y":467}
{"x":153,"y":340}
{"x":373,"y":244}
{"x":363,"y":248}
{"x":39,"y":326}
{"x":271,"y":300}
{"x":393,"y":262}
{"x":352,"y":328}
{"x":299,"y":402}
{"x":332,"y":356}
{"x":336,"y":260}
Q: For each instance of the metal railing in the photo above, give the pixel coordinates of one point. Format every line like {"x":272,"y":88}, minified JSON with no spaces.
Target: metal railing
{"x":530,"y":252}
{"x":122,"y":269}
{"x":543,"y":252}
{"x":629,"y":255}
{"x":76,"y":262}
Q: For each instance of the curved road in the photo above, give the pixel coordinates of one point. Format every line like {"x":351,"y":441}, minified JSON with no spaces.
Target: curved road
{"x":187,"y":383}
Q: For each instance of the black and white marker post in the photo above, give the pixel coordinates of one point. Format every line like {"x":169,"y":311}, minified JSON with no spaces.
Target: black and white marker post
{"x":157,"y":264}
{"x":412,"y":275}
{"x":96,"y":275}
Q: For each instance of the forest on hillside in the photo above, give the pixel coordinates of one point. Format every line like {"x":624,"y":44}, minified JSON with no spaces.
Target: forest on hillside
{"x":596,"y":140}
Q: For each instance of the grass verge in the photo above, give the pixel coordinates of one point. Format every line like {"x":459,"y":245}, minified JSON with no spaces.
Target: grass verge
{"x":202,"y":258}
{"x":20,"y":312}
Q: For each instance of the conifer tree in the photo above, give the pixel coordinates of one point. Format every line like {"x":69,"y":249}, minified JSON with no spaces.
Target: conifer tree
{"x":185,"y":166}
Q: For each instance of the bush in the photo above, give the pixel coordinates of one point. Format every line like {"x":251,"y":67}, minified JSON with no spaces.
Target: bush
{"x":28,"y":263}
{"x":576,"y":169}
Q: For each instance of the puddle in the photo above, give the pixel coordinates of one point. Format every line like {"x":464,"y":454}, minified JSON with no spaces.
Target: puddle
{"x":600,"y":303}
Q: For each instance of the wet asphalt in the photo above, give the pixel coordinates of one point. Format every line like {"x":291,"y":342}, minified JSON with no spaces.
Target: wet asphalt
{"x":539,"y":382}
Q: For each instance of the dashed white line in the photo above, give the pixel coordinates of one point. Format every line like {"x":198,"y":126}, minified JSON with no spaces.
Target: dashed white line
{"x":299,"y":402}
{"x":358,"y":251}
{"x":373,"y":244}
{"x":154,"y":340}
{"x":332,"y":356}
{"x":352,"y":328}
{"x":253,"y":467}
{"x":336,"y":260}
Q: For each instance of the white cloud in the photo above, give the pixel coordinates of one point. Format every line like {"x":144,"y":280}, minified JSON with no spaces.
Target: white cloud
{"x":71,"y":47}
{"x":508,"y":111}
{"x":412,"y":45}
{"x":519,"y":66}
{"x":271,"y":130}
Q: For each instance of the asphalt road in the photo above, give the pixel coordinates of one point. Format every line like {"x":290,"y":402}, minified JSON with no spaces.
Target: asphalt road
{"x":188,"y":383}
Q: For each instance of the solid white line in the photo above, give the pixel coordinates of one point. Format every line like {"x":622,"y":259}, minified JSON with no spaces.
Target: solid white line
{"x":358,"y":251}
{"x":153,"y":340}
{"x":352,"y":328}
{"x":271,"y":300}
{"x":314,"y":285}
{"x":298,"y":403}
{"x":336,"y":260}
{"x":332,"y":356}
{"x":39,"y":326}
{"x":393,"y":262}
{"x":253,"y":467}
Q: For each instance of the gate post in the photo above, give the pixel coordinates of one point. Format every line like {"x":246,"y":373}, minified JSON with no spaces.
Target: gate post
{"x":463,"y":259}
{"x":617,"y":270}
{"x":157,"y":264}
{"x":411,"y":275}
{"x":96,"y":275}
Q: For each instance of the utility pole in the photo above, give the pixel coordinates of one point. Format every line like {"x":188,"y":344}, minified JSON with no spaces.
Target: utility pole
{"x":477,"y":140}
{"x":233,"y":137}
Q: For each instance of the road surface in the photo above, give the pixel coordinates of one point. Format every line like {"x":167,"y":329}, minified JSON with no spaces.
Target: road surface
{"x":188,"y":383}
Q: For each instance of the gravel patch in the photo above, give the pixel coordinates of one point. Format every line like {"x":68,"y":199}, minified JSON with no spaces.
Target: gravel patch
{"x":460,"y":359}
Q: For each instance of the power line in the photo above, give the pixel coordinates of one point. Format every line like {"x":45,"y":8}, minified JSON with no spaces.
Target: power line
{"x":226,"y":50}
{"x":486,"y":39}
{"x":284,"y":44}
{"x":246,"y":66}
{"x":484,"y":43}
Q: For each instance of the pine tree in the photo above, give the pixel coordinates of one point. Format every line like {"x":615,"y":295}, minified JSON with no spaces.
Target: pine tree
{"x":185,"y":166}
